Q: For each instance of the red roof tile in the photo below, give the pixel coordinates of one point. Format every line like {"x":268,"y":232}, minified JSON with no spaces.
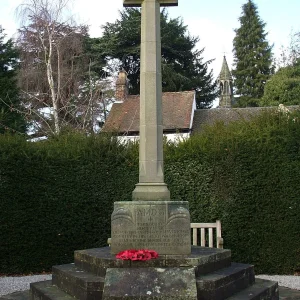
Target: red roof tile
{"x":177,"y":113}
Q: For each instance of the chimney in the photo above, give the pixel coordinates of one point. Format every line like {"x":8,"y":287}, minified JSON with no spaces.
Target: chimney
{"x":121,"y":86}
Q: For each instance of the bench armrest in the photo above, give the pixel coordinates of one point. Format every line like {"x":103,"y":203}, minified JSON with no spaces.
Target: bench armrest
{"x":220,"y":242}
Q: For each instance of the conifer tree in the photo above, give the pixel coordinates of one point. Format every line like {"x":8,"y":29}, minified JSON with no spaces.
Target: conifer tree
{"x":11,"y":120}
{"x":252,"y":57}
{"x":183,"y":67}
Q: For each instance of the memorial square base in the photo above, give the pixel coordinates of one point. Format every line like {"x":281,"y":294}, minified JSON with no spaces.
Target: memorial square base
{"x":205,"y":274}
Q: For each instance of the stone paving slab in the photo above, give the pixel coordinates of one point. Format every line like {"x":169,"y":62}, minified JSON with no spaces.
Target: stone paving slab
{"x":284,"y":294}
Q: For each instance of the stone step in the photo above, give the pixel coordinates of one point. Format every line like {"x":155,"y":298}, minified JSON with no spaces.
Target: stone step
{"x":97,"y":260}
{"x":288,"y":294}
{"x":44,"y":290}
{"x":77,"y":282}
{"x":23,"y":295}
{"x":225,"y":282}
{"x":260,"y":290}
{"x":203,"y":259}
{"x":208,"y":260}
{"x":284,"y":294}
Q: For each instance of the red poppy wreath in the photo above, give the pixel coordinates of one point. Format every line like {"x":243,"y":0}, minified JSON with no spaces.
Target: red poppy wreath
{"x":133,"y":254}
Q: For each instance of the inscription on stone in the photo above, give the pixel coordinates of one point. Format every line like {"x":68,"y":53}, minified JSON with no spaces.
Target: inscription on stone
{"x":163,"y":226}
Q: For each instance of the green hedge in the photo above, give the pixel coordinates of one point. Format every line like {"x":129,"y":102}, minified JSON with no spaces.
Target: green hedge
{"x":255,"y":190}
{"x":57,"y":196}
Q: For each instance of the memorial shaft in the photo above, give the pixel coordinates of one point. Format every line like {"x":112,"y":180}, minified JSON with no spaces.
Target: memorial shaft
{"x":151,"y":184}
{"x":151,"y":127}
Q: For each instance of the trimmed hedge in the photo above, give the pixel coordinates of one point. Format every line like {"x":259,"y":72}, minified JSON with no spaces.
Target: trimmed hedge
{"x":57,"y":196}
{"x":255,"y":190}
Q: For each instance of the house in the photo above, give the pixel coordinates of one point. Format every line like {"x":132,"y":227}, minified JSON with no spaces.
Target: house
{"x":180,"y":117}
{"x":124,"y":118}
{"x":203,"y":117}
{"x":225,"y":112}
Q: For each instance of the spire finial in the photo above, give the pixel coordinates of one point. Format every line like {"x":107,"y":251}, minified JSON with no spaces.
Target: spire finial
{"x":225,"y":82}
{"x":225,"y":73}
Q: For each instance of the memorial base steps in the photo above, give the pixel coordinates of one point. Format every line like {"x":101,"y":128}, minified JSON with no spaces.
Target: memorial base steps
{"x":260,"y":290}
{"x":215,"y":277}
{"x":47,"y":291}
{"x":77,"y":282}
{"x":225,"y":282}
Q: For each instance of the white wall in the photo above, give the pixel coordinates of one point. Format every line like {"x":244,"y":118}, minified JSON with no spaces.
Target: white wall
{"x":172,"y":137}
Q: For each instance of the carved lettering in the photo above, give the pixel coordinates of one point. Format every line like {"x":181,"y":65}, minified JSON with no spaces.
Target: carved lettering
{"x":154,"y":227}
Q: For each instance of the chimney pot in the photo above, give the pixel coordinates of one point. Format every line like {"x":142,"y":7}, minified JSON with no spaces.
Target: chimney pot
{"x":121,"y":86}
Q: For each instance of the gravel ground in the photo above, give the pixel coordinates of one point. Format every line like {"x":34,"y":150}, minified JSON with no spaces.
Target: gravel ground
{"x":13,"y":284}
{"x":292,"y":282}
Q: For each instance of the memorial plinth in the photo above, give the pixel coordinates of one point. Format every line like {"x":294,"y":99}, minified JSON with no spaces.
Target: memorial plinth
{"x":163,"y":226}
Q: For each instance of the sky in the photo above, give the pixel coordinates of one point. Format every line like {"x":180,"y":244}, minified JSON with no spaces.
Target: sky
{"x":213,"y":21}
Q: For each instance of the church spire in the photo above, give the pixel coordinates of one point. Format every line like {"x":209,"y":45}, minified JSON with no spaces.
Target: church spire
{"x":225,"y":83}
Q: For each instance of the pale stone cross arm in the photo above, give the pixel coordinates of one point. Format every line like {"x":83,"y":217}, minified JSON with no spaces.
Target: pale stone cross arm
{"x":136,"y":3}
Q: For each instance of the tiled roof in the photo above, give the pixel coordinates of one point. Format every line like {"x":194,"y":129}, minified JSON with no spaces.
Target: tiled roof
{"x":177,"y":113}
{"x":210,"y":116}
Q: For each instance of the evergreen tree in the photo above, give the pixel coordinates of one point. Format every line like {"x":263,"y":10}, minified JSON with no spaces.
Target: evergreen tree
{"x":182,"y":65}
{"x":252,"y":57}
{"x":11,"y":120}
{"x":283,"y":87}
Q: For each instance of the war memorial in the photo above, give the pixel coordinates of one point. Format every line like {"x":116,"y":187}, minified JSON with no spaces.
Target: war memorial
{"x":152,"y":221}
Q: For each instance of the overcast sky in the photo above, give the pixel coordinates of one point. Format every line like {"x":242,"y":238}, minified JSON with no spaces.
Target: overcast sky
{"x":212,"y":20}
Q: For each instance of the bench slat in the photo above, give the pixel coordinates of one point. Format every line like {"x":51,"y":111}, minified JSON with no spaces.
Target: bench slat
{"x":202,"y":237}
{"x":195,"y":239}
{"x":210,"y":238}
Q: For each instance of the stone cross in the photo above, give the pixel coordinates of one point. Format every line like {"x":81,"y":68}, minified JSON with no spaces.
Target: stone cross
{"x":158,"y":223}
{"x":151,"y":184}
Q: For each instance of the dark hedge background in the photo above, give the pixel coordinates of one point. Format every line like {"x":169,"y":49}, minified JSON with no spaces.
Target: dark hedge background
{"x":56,"y":196}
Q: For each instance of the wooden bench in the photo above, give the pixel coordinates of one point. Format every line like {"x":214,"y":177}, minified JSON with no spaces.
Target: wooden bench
{"x":203,"y":233}
{"x":207,"y":230}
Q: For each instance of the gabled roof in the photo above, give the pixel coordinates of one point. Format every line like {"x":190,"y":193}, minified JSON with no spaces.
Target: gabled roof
{"x":210,"y":116}
{"x":225,"y":73}
{"x":204,"y":117}
{"x":178,"y":108}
